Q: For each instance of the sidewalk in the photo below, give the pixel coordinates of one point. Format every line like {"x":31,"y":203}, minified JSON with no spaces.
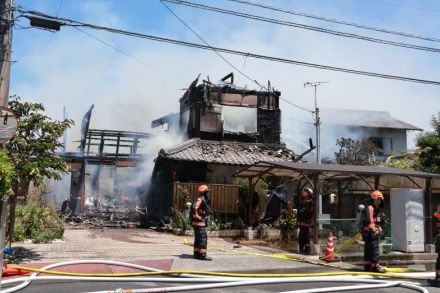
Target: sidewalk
{"x":156,"y":249}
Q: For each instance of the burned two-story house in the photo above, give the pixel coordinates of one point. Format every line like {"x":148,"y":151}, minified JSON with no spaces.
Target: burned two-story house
{"x":227,"y":128}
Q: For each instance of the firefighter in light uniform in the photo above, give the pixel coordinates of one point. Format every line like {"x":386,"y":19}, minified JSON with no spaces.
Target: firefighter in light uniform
{"x":305,"y":216}
{"x":199,"y":219}
{"x":371,"y":230}
{"x":436,"y":219}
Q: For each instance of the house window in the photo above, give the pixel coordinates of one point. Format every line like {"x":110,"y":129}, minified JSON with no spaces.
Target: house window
{"x":384,"y":144}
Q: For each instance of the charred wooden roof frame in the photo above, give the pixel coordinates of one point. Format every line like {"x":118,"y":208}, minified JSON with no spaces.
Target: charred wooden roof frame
{"x":109,"y":138}
{"x":114,"y":138}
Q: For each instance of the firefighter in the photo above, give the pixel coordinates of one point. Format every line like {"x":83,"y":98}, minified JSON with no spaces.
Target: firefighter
{"x":436,"y":282}
{"x":305,"y":220}
{"x":371,"y":229}
{"x":199,"y":219}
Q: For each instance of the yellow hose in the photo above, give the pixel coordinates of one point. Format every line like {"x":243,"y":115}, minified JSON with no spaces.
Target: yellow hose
{"x":244,"y":275}
{"x":391,"y":271}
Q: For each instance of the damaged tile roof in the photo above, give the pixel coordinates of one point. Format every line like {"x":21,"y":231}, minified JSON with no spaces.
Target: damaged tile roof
{"x":226,"y":152}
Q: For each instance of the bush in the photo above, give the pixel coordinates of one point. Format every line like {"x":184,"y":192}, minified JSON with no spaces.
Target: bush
{"x":213,"y":224}
{"x":180,"y":221}
{"x":287,"y":220}
{"x":37,"y":222}
{"x":263,"y":231}
{"x":237,"y":224}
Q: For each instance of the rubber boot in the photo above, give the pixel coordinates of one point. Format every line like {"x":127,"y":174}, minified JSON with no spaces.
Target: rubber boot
{"x":307,"y":250}
{"x":205,"y":257}
{"x":434,"y":282}
{"x":378,"y":269}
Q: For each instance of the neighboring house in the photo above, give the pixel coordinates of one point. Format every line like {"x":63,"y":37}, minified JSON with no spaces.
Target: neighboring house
{"x":388,"y":133}
{"x":228,"y":128}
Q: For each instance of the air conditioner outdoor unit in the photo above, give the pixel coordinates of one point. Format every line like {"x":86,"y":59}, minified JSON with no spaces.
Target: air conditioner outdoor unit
{"x":407,"y":219}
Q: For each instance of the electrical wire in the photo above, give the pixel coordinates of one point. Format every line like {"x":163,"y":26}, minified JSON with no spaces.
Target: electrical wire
{"x":206,"y":43}
{"x":224,"y":59}
{"x":302,"y":26}
{"x":127,"y":54}
{"x":332,"y":20}
{"x":402,"y":5}
{"x":59,"y":7}
{"x":73,"y":23}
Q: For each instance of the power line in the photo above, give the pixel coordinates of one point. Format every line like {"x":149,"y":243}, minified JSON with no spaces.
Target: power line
{"x":292,"y":104}
{"x":206,"y":43}
{"x":404,"y":6}
{"x":225,"y":60}
{"x":73,"y":23}
{"x":332,"y":20}
{"x":59,"y":7}
{"x":303,"y":26}
{"x":125,"y":53}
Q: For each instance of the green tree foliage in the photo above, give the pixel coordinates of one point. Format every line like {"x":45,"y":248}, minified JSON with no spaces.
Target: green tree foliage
{"x":354,"y":152}
{"x":33,"y":150}
{"x":429,"y":147}
{"x":7,"y":173}
{"x":408,"y":161}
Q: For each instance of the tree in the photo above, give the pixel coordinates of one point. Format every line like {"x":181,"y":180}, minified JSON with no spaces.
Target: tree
{"x":7,"y":172}
{"x":354,"y":152}
{"x":429,"y":147}
{"x":408,"y":161}
{"x":33,"y":150}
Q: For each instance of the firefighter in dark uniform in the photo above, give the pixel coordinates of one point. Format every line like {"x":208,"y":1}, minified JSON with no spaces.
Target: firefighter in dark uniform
{"x":199,"y":221}
{"x":436,"y":219}
{"x":306,"y":211}
{"x":371,"y":230}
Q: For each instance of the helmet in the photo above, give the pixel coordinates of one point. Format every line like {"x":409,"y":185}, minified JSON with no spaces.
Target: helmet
{"x":203,"y":188}
{"x":308,"y":190}
{"x":376,"y":194}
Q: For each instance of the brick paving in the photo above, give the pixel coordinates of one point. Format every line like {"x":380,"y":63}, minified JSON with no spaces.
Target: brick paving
{"x":116,"y":244}
{"x":134,"y":245}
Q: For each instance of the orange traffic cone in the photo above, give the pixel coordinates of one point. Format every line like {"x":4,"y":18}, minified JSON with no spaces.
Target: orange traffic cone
{"x":330,"y":251}
{"x":13,"y":272}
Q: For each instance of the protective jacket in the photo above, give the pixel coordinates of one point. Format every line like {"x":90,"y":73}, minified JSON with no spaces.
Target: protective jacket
{"x":371,"y":219}
{"x":201,"y":211}
{"x":305,"y":213}
{"x":436,"y":221}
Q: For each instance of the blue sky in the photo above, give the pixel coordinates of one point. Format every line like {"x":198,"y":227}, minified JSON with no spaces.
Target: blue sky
{"x":69,"y":68}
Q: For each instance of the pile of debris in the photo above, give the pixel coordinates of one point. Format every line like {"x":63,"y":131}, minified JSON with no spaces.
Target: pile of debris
{"x":120,"y":219}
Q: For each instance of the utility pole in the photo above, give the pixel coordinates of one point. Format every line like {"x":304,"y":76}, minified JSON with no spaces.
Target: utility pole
{"x":318,"y":135}
{"x":5,"y":69}
{"x":5,"y":49}
{"x":317,"y":119}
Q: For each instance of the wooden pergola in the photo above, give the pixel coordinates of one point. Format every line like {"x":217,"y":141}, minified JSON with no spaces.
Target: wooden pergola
{"x":313,"y":174}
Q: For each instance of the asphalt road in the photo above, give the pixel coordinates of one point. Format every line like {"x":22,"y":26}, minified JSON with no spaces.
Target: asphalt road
{"x":75,"y":287}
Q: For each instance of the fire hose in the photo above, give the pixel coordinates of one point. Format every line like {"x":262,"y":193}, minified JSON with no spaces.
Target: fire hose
{"x":220,"y":280}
